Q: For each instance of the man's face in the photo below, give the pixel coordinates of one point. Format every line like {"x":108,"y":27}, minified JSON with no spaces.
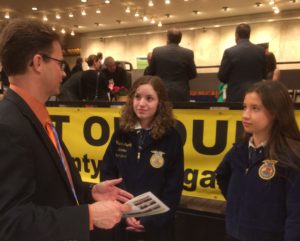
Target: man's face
{"x":111,"y":66}
{"x":53,"y":72}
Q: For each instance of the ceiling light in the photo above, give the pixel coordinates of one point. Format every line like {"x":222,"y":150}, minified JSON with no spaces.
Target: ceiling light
{"x":127,"y":10}
{"x":107,"y":1}
{"x":196,"y":12}
{"x":83,"y":1}
{"x":63,"y":31}
{"x":97,"y":24}
{"x":6,"y":15}
{"x":167,"y":1}
{"x":150,"y":3}
{"x":258,"y":4}
{"x":45,"y":18}
{"x":57,"y":16}
{"x":53,"y":28}
{"x":34,"y":8}
{"x":71,"y":15}
{"x":83,"y":12}
{"x":152,"y":21}
{"x":137,"y":13}
{"x":276,"y":10}
{"x":72,"y":33}
{"x":145,"y":18}
{"x":159,"y":24}
{"x":98,"y":11}
{"x":168,"y":15}
{"x":272,"y":2}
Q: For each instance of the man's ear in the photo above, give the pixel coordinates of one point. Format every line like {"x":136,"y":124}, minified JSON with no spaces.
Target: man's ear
{"x":37,"y":62}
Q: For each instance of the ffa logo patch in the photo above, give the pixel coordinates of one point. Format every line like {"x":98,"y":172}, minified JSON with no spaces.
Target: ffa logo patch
{"x":157,"y":160}
{"x":267,"y":170}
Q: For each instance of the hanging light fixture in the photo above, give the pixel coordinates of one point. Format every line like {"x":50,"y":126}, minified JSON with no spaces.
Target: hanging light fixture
{"x":83,"y":12}
{"x":45,"y":18}
{"x":6,"y":15}
{"x":127,"y":10}
{"x":150,"y":3}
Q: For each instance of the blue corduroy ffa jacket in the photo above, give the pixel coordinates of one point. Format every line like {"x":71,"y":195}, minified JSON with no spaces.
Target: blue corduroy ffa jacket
{"x":259,"y":209}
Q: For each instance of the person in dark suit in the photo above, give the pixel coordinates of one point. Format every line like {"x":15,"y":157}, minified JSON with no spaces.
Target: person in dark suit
{"x":42,"y":195}
{"x":242,"y":65}
{"x":174,"y":65}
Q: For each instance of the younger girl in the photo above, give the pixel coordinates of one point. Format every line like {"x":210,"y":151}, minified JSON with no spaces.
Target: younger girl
{"x":147,"y":152}
{"x":260,"y":176}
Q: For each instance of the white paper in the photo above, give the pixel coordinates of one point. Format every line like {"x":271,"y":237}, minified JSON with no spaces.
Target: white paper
{"x":145,"y":204}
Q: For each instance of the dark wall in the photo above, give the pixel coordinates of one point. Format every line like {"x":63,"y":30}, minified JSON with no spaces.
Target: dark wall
{"x":209,"y":81}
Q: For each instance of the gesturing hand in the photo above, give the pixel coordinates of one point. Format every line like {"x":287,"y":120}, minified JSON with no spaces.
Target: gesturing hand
{"x":107,"y":190}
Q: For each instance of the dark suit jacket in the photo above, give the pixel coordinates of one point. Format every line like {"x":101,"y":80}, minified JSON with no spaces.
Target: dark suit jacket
{"x":36,"y":201}
{"x":175,"y":66}
{"x":241,"y":66}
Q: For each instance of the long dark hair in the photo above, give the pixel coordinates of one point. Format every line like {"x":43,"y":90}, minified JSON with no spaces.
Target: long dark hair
{"x":284,"y":140}
{"x":163,"y":119}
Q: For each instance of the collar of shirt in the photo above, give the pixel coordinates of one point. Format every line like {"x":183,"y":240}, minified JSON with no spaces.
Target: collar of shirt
{"x":139,"y":127}
{"x":36,"y":106}
{"x":251,"y":144}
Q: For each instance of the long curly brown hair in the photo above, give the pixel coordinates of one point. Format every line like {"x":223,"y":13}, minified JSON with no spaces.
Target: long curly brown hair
{"x":163,"y":119}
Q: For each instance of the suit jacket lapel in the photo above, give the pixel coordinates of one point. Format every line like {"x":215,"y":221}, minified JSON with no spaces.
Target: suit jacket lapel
{"x":41,"y":133}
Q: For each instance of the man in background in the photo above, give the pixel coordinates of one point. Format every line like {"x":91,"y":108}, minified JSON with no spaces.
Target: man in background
{"x":242,"y":65}
{"x":42,"y":195}
{"x":175,"y":66}
{"x":113,"y":73}
{"x":149,"y":57}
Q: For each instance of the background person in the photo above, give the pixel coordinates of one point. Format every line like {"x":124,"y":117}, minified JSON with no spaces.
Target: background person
{"x":242,"y":65}
{"x":92,"y":86}
{"x":174,"y":65}
{"x":42,"y":195}
{"x":78,"y":66}
{"x":147,"y":152}
{"x":260,"y":177}
{"x":273,"y":73}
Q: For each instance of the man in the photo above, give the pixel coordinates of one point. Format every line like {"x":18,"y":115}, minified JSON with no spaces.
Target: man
{"x":113,"y":73}
{"x":174,"y":65}
{"x":242,"y":65}
{"x":42,"y":196}
{"x":149,"y":57}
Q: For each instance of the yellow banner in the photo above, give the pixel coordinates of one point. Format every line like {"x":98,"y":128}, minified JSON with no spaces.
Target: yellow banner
{"x":207,"y":136}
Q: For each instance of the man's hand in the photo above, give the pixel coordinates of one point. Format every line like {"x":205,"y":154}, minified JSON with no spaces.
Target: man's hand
{"x":134,"y":225}
{"x":107,"y":190}
{"x":106,"y":214}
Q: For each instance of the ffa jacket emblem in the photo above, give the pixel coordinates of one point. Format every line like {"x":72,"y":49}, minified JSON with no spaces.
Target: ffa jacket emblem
{"x":157,"y":160}
{"x":267,"y":170}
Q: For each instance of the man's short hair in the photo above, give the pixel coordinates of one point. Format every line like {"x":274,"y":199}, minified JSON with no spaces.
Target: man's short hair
{"x":20,"y":40}
{"x":243,"y":30}
{"x":174,"y":35}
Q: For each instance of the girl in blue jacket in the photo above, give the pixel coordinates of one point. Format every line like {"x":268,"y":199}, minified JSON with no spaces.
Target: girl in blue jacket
{"x":260,"y":177}
{"x":147,"y":152}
